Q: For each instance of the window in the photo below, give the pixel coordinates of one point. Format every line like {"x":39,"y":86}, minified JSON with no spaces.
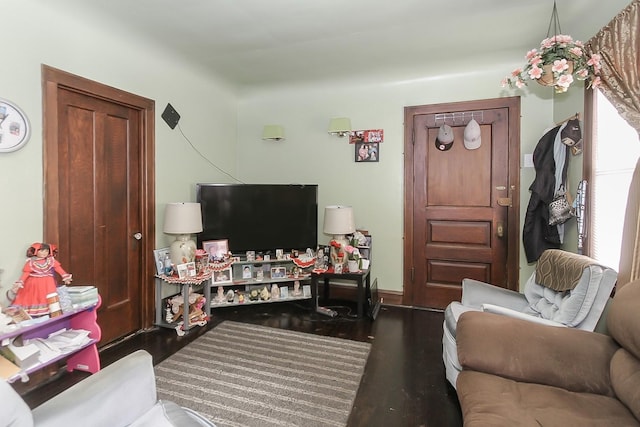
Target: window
{"x":615,"y":149}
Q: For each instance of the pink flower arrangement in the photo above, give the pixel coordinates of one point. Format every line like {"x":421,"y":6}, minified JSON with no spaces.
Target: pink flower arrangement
{"x":565,"y":57}
{"x":354,"y":253}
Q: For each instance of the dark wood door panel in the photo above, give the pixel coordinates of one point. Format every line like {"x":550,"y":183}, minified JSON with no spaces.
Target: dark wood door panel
{"x":455,"y":227}
{"x":458,"y":253}
{"x":99,"y":157}
{"x":438,"y":293}
{"x":452,"y":273}
{"x":464,"y":232}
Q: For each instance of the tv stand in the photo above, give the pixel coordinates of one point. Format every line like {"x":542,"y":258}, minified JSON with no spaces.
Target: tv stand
{"x":284,"y":273}
{"x":291,"y":276}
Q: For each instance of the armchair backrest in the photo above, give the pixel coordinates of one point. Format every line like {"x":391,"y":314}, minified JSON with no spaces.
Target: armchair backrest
{"x":581,"y":297}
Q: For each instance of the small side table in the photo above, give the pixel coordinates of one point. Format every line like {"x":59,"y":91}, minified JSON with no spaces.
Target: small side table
{"x":185,"y":285}
{"x":362,"y":278}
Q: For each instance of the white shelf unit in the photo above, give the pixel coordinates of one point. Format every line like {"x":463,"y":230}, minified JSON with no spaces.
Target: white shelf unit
{"x":243,"y":284}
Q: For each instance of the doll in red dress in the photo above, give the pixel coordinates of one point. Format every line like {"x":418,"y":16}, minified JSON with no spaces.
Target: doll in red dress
{"x":38,"y":279}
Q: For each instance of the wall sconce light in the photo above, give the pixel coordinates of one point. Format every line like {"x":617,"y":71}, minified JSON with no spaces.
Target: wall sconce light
{"x":273,"y":132}
{"x":340,"y":126}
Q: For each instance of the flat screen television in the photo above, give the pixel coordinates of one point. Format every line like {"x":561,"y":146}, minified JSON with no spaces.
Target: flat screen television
{"x":259,"y":217}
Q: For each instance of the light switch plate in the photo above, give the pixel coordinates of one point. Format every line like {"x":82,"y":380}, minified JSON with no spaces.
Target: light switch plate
{"x":528,"y":161}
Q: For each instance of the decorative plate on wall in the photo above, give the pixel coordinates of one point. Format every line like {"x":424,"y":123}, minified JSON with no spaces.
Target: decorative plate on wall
{"x":14,"y":127}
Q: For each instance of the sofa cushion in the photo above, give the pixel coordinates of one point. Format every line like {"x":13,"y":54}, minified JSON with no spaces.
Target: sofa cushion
{"x":623,"y":321}
{"x":625,"y":378}
{"x":489,"y":400}
{"x":15,"y":412}
{"x":520,"y":350}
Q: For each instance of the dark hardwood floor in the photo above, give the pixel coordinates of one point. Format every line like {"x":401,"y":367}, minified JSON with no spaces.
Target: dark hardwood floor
{"x":403,"y":384}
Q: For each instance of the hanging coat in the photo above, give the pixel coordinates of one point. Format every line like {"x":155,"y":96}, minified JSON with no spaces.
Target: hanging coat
{"x":537,"y":234}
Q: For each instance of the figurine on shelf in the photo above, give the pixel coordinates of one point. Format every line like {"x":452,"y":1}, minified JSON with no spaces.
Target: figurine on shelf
{"x":296,"y":289}
{"x":275,"y":291}
{"x":265,"y":295}
{"x":38,"y":280}
{"x":220,"y":297}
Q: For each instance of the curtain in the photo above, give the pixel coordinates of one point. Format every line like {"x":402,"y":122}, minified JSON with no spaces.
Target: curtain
{"x":618,"y":44}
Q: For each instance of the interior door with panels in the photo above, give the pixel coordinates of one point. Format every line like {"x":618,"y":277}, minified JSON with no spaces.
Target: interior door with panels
{"x":461,"y":204}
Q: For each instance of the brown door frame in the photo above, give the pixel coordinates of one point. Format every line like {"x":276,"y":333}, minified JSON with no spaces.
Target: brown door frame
{"x":54,"y":79}
{"x":513,"y":230}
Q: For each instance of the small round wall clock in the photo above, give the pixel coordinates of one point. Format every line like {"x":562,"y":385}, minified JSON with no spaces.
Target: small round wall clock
{"x":14,"y":127}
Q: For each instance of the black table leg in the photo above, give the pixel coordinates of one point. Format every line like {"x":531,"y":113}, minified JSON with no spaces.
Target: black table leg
{"x":326,"y":289}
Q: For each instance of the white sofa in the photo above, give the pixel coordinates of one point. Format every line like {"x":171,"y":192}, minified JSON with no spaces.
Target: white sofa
{"x":122,"y":394}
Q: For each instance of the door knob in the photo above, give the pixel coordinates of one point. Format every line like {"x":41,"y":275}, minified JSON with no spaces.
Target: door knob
{"x":137,"y":236}
{"x":500,"y":229}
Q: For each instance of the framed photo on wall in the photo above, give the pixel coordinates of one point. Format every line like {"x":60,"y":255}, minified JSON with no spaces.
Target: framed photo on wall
{"x":216,"y":249}
{"x":367,"y":152}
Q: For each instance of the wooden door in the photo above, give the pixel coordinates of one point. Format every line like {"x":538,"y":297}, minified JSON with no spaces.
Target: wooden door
{"x":99,"y":204}
{"x":461,"y":205}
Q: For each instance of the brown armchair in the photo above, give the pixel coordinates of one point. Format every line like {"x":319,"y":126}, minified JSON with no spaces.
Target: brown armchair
{"x":520,"y":373}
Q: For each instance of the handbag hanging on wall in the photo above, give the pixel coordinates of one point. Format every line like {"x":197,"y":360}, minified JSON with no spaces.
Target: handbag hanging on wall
{"x":561,"y":207}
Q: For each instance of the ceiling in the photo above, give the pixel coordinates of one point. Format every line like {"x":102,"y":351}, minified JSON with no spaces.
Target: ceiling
{"x":267,"y":42}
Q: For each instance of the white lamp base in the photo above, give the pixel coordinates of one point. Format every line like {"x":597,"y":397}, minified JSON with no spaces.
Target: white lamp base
{"x":182,"y":250}
{"x":334,"y":259}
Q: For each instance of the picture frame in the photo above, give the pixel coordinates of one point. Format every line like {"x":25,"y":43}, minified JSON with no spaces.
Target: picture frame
{"x":284,"y":292}
{"x":222,"y":276}
{"x":188,"y":269}
{"x":306,"y":291}
{"x":247,"y":271}
{"x":367,"y":152}
{"x":217,"y":249}
{"x":159,"y":255}
{"x":279,"y":272}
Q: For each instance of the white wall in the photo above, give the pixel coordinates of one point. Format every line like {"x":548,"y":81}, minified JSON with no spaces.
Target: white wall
{"x":375,"y":190}
{"x":213,"y":119}
{"x":39,"y":32}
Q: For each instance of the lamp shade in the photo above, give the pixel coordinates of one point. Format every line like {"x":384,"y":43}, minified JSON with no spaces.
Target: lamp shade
{"x":338,"y":220}
{"x":182,"y":218}
{"x":274,"y":132}
{"x":340,"y":125}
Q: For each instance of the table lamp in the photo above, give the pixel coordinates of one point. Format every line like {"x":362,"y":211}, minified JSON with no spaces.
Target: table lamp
{"x":182,"y":219}
{"x":339,"y":221}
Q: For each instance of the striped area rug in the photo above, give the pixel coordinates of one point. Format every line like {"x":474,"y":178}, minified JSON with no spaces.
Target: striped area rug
{"x":239,"y":374}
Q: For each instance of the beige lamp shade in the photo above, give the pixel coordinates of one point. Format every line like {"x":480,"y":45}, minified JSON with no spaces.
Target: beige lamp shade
{"x":340,"y":126}
{"x":273,"y":132}
{"x":182,"y":219}
{"x":338,"y":220}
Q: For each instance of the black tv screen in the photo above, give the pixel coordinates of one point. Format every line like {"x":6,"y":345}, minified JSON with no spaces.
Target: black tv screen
{"x":259,"y":217}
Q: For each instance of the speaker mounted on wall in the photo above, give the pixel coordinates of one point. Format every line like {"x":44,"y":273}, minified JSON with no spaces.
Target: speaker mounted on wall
{"x":170,"y":116}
